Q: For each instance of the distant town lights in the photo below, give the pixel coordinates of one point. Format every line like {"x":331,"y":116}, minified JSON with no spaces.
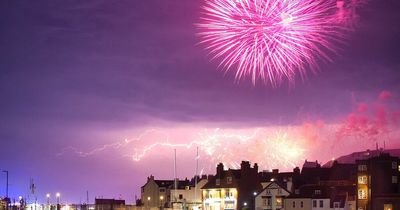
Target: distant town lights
{"x":254,"y":193}
{"x":47,"y":195}
{"x":245,"y":204}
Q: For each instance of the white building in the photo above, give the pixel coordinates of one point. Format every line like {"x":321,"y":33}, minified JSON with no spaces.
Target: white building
{"x":188,"y":196}
{"x":271,"y":197}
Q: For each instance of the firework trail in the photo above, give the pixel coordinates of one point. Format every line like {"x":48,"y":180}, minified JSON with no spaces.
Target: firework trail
{"x":272,"y":40}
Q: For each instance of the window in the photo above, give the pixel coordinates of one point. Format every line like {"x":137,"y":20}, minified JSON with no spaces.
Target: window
{"x":362,"y":167}
{"x":269,"y":201}
{"x":362,"y":179}
{"x":268,"y":192}
{"x":264,"y":201}
{"x":294,"y":204}
{"x":314,"y":203}
{"x":321,"y":203}
{"x":394,"y":179}
{"x":162,"y":190}
{"x":362,"y":194}
{"x":394,"y":165}
{"x":229,"y":180}
{"x":387,"y":206}
{"x":278,"y":201}
{"x":317,"y":192}
{"x":336,"y":205}
{"x":180,"y":196}
{"x":301,"y":204}
{"x":217,"y":182}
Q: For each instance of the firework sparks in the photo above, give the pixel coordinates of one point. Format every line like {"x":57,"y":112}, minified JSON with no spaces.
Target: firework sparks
{"x":270,"y":40}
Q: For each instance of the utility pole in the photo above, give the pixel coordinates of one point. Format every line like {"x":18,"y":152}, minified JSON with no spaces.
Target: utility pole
{"x":6,"y":182}
{"x":5,"y":171}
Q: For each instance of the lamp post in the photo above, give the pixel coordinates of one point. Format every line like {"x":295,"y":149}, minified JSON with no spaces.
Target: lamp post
{"x":161,"y":201}
{"x":58,"y":195}
{"x":48,"y":198}
{"x":5,"y":171}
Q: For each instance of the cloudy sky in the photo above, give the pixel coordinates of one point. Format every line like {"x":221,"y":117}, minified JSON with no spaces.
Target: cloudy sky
{"x":96,"y":95}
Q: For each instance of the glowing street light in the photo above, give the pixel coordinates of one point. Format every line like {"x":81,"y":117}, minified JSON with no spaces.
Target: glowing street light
{"x":58,"y":195}
{"x":48,"y":198}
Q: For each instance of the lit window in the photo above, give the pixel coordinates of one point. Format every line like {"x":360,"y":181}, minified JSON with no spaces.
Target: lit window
{"x":362,"y":179}
{"x":362,"y":194}
{"x":321,"y":203}
{"x":362,"y":167}
{"x":394,"y":165}
{"x":394,"y":179}
{"x":279,"y":201}
{"x":229,"y":180}
{"x":387,"y":206}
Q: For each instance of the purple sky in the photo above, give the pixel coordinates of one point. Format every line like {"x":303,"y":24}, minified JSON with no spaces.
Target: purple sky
{"x":86,"y":74}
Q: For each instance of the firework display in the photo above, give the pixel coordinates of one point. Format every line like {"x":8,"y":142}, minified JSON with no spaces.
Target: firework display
{"x":273,"y":40}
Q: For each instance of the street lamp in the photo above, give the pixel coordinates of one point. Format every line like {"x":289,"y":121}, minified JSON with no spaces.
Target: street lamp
{"x":161,"y":201}
{"x":58,"y":195}
{"x":48,"y":198}
{"x":5,"y":171}
{"x":148,"y":201}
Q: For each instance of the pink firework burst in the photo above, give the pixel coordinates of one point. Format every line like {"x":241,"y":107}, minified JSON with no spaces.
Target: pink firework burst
{"x":270,"y":40}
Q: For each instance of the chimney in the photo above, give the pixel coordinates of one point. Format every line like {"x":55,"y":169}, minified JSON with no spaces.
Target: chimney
{"x":256,"y":167}
{"x":296,"y":170}
{"x":275,"y":171}
{"x":220,"y":169}
{"x":245,"y":165}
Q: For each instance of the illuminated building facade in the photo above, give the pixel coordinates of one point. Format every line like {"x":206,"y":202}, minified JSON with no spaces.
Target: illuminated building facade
{"x":232,"y":189}
{"x":271,"y":197}
{"x":378,"y":183}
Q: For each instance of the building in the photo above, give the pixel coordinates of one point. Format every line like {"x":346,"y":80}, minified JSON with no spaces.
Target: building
{"x":271,"y":197}
{"x":232,"y":189}
{"x":378,"y":183}
{"x":189,"y":196}
{"x":318,"y":197}
{"x":180,"y":194}
{"x":156,"y":193}
{"x":109,"y":204}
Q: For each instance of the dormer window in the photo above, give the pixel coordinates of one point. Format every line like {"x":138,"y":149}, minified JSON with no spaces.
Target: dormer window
{"x":317,"y":192}
{"x":229,"y":180}
{"x":394,"y":165}
{"x":362,"y":167}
